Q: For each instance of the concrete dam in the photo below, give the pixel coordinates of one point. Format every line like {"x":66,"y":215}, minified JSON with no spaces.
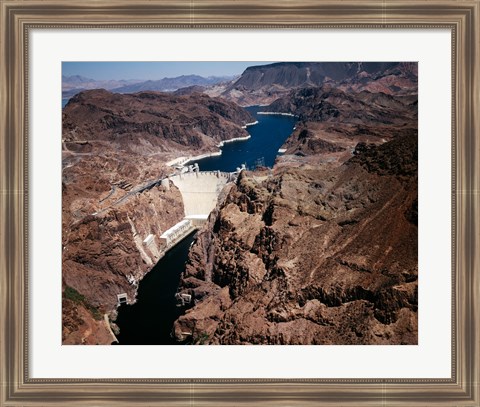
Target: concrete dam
{"x":200,"y":190}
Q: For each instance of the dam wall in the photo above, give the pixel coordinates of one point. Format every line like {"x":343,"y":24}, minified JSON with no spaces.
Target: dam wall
{"x":199,"y":193}
{"x":200,"y":190}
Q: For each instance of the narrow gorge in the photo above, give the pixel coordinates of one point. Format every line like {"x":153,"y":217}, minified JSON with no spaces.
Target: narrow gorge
{"x":119,"y":195}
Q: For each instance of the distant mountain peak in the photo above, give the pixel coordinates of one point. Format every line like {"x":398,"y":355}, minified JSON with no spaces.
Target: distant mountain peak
{"x":171,"y":84}
{"x":76,"y":78}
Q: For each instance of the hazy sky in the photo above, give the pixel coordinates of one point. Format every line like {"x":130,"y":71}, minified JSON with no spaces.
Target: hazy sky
{"x":153,"y":70}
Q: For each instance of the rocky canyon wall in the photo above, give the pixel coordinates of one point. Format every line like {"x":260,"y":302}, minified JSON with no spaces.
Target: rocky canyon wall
{"x":311,"y":256}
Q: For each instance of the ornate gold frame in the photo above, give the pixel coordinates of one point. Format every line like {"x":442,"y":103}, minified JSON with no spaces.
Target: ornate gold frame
{"x":18,"y":17}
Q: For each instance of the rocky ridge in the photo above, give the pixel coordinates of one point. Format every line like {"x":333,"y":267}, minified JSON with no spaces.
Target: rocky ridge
{"x":152,"y":122}
{"x":263,"y":84}
{"x":311,"y":256}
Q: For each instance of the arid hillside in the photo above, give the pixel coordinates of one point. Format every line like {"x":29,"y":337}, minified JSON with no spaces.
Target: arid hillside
{"x":331,"y":122}
{"x":311,"y":256}
{"x":152,"y":122}
{"x":263,"y":84}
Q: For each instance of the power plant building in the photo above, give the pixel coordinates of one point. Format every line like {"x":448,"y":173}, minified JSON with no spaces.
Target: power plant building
{"x":175,"y":232}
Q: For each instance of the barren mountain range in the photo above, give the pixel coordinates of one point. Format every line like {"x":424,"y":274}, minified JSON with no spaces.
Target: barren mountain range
{"x":71,"y":85}
{"x":261,"y":85}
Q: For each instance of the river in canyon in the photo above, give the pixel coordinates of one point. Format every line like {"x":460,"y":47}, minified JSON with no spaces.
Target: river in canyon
{"x":150,"y":320}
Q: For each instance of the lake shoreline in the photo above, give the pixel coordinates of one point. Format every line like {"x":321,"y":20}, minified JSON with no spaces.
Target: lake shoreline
{"x":182,"y":161}
{"x":278,"y":114}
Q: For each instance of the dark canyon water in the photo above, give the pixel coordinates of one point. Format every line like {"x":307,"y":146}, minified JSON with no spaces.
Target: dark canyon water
{"x":149,"y":321}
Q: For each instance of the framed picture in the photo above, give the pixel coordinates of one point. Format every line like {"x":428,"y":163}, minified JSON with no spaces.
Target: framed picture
{"x":388,"y":312}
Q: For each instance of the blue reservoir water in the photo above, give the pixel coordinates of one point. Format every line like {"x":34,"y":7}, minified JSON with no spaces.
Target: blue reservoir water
{"x":262,"y":148}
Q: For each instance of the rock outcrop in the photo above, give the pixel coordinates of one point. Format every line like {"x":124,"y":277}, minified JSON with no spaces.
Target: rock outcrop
{"x":264,"y":84}
{"x":331,"y":122}
{"x":152,"y":122}
{"x":311,"y":256}
{"x":328,"y":103}
{"x":324,"y":251}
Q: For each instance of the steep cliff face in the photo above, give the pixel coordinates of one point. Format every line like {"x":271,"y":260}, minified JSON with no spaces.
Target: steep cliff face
{"x":265,"y":83}
{"x":301,"y":74}
{"x":102,"y":251}
{"x":114,"y":153}
{"x":324,"y":251}
{"x":311,"y":256}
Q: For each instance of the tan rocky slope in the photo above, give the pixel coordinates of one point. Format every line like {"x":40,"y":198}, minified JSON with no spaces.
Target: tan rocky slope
{"x":152,"y":122}
{"x":331,"y":122}
{"x":311,"y":256}
{"x":113,"y":146}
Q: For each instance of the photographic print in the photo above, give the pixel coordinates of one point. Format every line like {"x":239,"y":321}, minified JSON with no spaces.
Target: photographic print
{"x":235,"y":203}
